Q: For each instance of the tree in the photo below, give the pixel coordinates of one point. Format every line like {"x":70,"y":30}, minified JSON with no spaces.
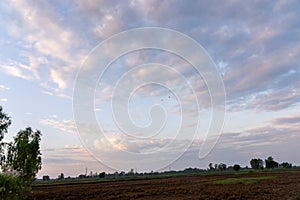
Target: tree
{"x":236,"y":167}
{"x":5,"y":122}
{"x":20,"y":160}
{"x":286,"y":165}
{"x":131,"y":172}
{"x":211,"y":166}
{"x":216,"y":166}
{"x":102,"y":175}
{"x":122,"y":173}
{"x":222,"y":167}
{"x":271,"y":163}
{"x":61,"y":176}
{"x":46,"y":178}
{"x":257,"y":163}
{"x":24,"y":156}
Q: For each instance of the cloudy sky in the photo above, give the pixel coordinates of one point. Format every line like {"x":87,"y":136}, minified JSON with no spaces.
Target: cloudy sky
{"x":255,"y":46}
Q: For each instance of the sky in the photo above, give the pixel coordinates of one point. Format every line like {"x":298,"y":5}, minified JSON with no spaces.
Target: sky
{"x":255,"y":46}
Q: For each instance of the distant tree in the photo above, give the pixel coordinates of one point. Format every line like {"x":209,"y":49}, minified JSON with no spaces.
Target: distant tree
{"x":61,"y":176}
{"x":271,"y":163}
{"x":222,"y":167}
{"x":122,"y":173}
{"x":257,"y":163}
{"x":286,"y":165}
{"x":211,"y":166}
{"x":116,"y":174}
{"x":46,"y":178}
{"x":102,"y":175}
{"x":216,"y":166}
{"x":131,"y":172}
{"x":236,"y":167}
{"x":82,"y":176}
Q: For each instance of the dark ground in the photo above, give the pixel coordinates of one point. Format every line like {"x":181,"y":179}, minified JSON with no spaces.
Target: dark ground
{"x":285,"y":185}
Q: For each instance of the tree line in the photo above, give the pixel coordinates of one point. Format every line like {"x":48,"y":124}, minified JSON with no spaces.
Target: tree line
{"x":269,"y":163}
{"x":255,"y":163}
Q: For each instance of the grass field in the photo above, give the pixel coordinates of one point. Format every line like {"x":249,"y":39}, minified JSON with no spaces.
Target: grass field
{"x":243,"y":180}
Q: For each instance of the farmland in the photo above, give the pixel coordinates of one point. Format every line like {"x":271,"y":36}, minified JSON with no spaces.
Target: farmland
{"x":247,"y":185}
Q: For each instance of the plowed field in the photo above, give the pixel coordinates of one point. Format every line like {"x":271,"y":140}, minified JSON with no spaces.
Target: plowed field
{"x":274,"y":185}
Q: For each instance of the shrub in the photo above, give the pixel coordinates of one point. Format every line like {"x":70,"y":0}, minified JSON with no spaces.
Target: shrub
{"x":12,"y":187}
{"x":236,"y":167}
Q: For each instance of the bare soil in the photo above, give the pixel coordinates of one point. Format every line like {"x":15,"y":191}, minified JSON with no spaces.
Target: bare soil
{"x":286,"y":185}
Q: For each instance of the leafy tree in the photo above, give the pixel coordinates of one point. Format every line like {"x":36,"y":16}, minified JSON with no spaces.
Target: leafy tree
{"x":24,"y":156}
{"x":216,"y":166}
{"x":102,"y":175}
{"x":286,"y":165}
{"x":271,"y":163}
{"x":257,"y":163}
{"x":20,"y":160}
{"x":11,"y":187}
{"x":122,"y":173}
{"x":222,"y":166}
{"x":131,"y":172}
{"x":236,"y":167}
{"x":61,"y":176}
{"x":5,"y":122}
{"x":46,"y":178}
{"x":211,"y":167}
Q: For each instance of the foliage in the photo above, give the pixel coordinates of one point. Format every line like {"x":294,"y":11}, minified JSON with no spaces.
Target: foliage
{"x":222,"y":167}
{"x":20,"y":160}
{"x":257,"y":163}
{"x":236,"y":167}
{"x":46,"y":178}
{"x":286,"y":165}
{"x":271,"y":163}
{"x":61,"y":176}
{"x":11,"y":187}
{"x":102,"y":175}
{"x":24,"y":156}
{"x":211,"y":166}
{"x":5,"y":122}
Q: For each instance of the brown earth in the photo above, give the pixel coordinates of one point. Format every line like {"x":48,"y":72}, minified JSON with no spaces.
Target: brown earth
{"x":286,"y":185}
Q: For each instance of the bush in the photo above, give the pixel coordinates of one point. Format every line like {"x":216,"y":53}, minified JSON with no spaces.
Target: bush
{"x":12,"y":187}
{"x":236,"y":167}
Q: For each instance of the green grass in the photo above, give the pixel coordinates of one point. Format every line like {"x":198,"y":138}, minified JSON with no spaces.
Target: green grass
{"x":243,"y":180}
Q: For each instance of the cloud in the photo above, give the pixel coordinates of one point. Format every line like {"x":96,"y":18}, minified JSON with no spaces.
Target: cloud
{"x":64,"y":125}
{"x":3,"y":87}
{"x":257,"y":40}
{"x":279,"y":130}
{"x":269,"y":100}
{"x":57,"y":78}
{"x":289,"y":120}
{"x":50,"y":51}
{"x":16,"y":71}
{"x":3,"y":100}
